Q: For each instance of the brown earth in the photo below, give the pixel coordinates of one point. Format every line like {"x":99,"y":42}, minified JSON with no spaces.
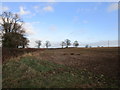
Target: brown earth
{"x":8,"y":53}
{"x":97,"y":60}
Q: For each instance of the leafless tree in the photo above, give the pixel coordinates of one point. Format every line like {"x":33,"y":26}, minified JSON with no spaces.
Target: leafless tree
{"x":12,"y":31}
{"x":63,"y":44}
{"x":47,"y":44}
{"x":39,"y":43}
{"x":11,"y":23}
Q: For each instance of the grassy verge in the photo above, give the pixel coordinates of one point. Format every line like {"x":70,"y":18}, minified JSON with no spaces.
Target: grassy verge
{"x":28,"y":72}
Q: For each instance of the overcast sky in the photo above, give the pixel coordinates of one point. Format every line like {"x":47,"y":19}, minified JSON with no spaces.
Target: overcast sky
{"x":88,"y":22}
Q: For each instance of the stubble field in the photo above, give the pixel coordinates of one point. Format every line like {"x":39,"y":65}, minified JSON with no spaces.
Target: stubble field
{"x":61,"y":68}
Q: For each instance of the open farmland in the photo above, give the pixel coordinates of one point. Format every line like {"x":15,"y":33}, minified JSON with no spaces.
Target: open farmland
{"x":70,"y":67}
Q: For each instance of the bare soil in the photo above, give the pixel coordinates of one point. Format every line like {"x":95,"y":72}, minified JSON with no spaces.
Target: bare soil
{"x":97,"y":60}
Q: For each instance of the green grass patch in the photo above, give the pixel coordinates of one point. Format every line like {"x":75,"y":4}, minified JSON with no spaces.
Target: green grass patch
{"x":39,"y":65}
{"x":28,"y":72}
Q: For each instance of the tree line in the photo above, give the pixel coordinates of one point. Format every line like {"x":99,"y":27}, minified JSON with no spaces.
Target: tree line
{"x":13,"y":35}
{"x":65,"y":43}
{"x":39,"y":43}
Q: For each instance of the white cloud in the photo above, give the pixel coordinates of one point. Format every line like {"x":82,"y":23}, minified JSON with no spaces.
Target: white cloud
{"x":29,"y":28}
{"x":112,"y":7}
{"x":43,"y":9}
{"x":23,"y":11}
{"x":48,"y":9}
